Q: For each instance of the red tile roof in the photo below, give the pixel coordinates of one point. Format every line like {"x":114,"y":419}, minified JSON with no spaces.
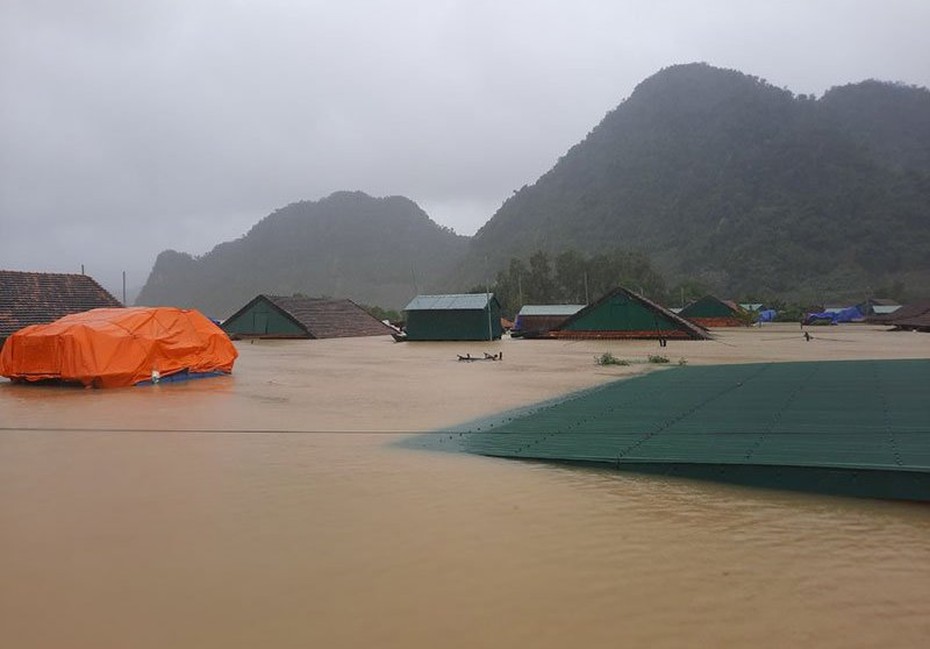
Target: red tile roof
{"x":37,"y":298}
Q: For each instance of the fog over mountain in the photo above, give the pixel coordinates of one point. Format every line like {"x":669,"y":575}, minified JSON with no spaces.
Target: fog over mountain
{"x":377,"y":251}
{"x":722,"y":178}
{"x":129,"y":128}
{"x":714,"y":176}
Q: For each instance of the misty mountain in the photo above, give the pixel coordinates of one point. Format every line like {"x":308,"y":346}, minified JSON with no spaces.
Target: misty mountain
{"x":348,"y":245}
{"x":723,"y":178}
{"x":714,"y":176}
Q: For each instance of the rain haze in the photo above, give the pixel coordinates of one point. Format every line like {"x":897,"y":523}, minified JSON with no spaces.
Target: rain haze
{"x":127,"y":128}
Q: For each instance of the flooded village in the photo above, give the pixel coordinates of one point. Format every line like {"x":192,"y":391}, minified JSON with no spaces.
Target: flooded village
{"x":467,"y":325}
{"x":284,"y":505}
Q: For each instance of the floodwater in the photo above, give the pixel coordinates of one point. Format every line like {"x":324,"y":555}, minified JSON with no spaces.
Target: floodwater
{"x":271,"y":509}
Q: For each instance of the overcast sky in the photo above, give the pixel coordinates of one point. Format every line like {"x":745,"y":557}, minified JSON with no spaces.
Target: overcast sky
{"x":131,"y":126}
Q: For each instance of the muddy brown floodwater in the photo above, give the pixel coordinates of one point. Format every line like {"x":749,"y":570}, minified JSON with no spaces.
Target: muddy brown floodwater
{"x":271,"y":509}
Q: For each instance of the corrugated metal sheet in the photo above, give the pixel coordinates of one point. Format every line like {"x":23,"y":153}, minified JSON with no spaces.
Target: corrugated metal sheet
{"x":550,"y":309}
{"x":468,"y":316}
{"x":450,"y":302}
{"x":850,"y":427}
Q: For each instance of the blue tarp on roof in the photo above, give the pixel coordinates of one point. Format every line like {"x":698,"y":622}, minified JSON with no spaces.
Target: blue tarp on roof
{"x":851,"y":314}
{"x":824,"y":317}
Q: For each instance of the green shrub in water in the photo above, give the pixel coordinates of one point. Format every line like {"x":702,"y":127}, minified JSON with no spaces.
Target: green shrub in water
{"x":609,"y":359}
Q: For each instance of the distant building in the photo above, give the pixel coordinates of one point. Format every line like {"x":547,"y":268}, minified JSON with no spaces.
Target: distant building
{"x":711,"y":311}
{"x":622,"y":313}
{"x":536,"y":320}
{"x":878,"y":306}
{"x":460,"y":316}
{"x":274,"y":316}
{"x":39,"y":298}
{"x":910,"y":317}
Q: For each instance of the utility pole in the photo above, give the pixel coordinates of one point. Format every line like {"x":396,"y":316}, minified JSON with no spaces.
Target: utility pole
{"x":487,"y":289}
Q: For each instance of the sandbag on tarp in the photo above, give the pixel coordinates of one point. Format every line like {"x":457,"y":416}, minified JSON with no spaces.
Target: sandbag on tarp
{"x":118,"y":347}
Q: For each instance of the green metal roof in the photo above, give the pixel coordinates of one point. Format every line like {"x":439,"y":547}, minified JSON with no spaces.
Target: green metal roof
{"x":708,"y":306}
{"x":622,"y":310}
{"x":863,"y":420}
{"x":451,"y":302}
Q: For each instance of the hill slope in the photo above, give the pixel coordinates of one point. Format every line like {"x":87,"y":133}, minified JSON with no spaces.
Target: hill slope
{"x":722,"y":177}
{"x":348,"y":245}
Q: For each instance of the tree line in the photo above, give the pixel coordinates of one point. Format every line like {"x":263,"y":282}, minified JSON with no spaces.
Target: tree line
{"x":573,"y":278}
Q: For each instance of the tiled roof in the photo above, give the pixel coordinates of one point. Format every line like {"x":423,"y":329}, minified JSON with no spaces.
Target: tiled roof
{"x":915,"y":322}
{"x":38,"y":298}
{"x":906,"y":312}
{"x":323,"y":318}
{"x":909,"y":311}
{"x":450,"y":302}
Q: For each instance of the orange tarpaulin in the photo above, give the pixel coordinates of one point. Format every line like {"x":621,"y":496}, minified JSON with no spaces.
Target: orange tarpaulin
{"x":117,"y":347}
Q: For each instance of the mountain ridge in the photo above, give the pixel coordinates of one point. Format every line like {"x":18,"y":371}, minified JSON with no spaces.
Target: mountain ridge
{"x":348,"y":244}
{"x":716,"y":176}
{"x":701,"y":166}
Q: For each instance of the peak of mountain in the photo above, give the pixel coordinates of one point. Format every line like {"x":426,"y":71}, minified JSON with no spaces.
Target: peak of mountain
{"x":349,"y":244}
{"x":716,"y":176}
{"x":722,"y":177}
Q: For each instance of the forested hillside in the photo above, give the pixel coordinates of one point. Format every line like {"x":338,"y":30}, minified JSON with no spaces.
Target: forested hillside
{"x":348,"y":245}
{"x":703,"y":179}
{"x":722,"y":178}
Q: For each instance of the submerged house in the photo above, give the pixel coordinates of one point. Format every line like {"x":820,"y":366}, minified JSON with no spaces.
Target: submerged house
{"x":459,"y":316}
{"x":275,"y":316}
{"x":39,"y":298}
{"x":911,"y":317}
{"x":711,"y":311}
{"x":119,"y":347}
{"x":625,"y":314}
{"x":535,"y":320}
{"x":878,"y":307}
